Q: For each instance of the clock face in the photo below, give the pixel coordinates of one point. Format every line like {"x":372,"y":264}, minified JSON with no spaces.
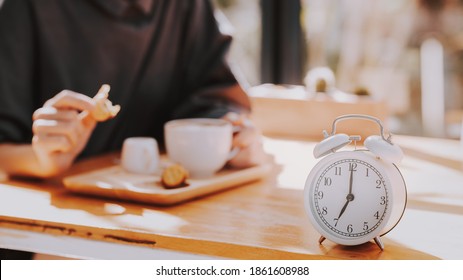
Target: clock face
{"x":348,"y":197}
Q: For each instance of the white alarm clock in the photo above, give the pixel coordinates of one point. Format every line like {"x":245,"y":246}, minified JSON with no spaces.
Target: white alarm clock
{"x":352,"y":197}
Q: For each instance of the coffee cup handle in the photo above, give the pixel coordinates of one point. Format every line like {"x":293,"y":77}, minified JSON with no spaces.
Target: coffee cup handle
{"x":233,"y":153}
{"x":235,"y":150}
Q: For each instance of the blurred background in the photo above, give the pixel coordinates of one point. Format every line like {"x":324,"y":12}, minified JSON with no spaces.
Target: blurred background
{"x":408,"y":54}
{"x":405,"y":54}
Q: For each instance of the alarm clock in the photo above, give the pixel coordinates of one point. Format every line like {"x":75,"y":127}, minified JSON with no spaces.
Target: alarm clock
{"x":354,"y":196}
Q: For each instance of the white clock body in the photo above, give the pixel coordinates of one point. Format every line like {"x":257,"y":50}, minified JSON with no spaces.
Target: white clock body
{"x":352,"y":197}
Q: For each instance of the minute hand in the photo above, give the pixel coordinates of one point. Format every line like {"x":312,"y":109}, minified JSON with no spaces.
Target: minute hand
{"x":350,"y":182}
{"x":349,"y":196}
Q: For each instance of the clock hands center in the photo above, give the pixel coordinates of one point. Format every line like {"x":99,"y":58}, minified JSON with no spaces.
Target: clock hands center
{"x":350,"y":196}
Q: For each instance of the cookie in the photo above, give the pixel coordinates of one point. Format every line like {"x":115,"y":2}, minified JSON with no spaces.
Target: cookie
{"x":174,"y":176}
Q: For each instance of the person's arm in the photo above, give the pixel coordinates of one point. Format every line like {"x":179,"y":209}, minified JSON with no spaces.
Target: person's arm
{"x":16,"y":81}
{"x":20,"y":159}
{"x":210,"y":89}
{"x":61,"y":129}
{"x":210,"y":86}
{"x":42,"y":142}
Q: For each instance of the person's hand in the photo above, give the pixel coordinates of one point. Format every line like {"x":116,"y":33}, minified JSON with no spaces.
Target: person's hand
{"x":249,"y":141}
{"x":61,"y":130}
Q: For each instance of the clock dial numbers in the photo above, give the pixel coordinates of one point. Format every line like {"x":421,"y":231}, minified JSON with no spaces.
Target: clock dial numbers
{"x":352,"y":166}
{"x":382,"y":200}
{"x":327,"y":181}
{"x":343,"y":191}
{"x":365,"y":226}
{"x":349,"y":228}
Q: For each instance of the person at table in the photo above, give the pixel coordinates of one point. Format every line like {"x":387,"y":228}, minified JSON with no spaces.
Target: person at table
{"x":164,"y":59}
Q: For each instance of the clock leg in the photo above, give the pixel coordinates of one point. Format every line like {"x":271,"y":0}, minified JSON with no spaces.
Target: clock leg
{"x":322,"y":238}
{"x":379,"y":243}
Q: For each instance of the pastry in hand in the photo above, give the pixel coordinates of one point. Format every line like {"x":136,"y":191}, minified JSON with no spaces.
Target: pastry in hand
{"x":174,"y":176}
{"x":104,"y":110}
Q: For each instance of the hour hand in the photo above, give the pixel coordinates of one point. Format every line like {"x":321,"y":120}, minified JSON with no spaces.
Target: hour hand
{"x":343,"y":209}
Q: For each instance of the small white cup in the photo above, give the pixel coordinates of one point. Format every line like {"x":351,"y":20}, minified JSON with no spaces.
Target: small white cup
{"x":140,"y":155}
{"x":201,"y":145}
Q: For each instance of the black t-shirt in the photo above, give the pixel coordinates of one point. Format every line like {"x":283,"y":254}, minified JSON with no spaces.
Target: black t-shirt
{"x":164,"y":59}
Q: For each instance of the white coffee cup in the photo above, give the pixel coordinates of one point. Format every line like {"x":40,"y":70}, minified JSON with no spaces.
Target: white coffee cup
{"x":201,"y":145}
{"x":140,"y":155}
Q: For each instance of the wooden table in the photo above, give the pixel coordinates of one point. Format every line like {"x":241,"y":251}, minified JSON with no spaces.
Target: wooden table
{"x":261,"y":220}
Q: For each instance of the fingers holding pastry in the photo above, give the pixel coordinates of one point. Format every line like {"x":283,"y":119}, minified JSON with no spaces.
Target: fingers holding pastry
{"x":99,"y":107}
{"x":52,"y":113}
{"x":68,"y":99}
{"x":63,"y":126}
{"x":70,"y":129}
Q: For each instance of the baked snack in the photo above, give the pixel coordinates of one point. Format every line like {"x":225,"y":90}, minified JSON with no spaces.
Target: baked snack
{"x":105,"y":109}
{"x":174,"y":176}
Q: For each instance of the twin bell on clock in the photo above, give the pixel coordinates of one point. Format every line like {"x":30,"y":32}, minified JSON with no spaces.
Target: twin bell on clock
{"x":354,"y":196}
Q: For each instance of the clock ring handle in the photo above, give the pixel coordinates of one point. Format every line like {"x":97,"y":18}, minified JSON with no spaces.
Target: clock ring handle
{"x":359,"y":116}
